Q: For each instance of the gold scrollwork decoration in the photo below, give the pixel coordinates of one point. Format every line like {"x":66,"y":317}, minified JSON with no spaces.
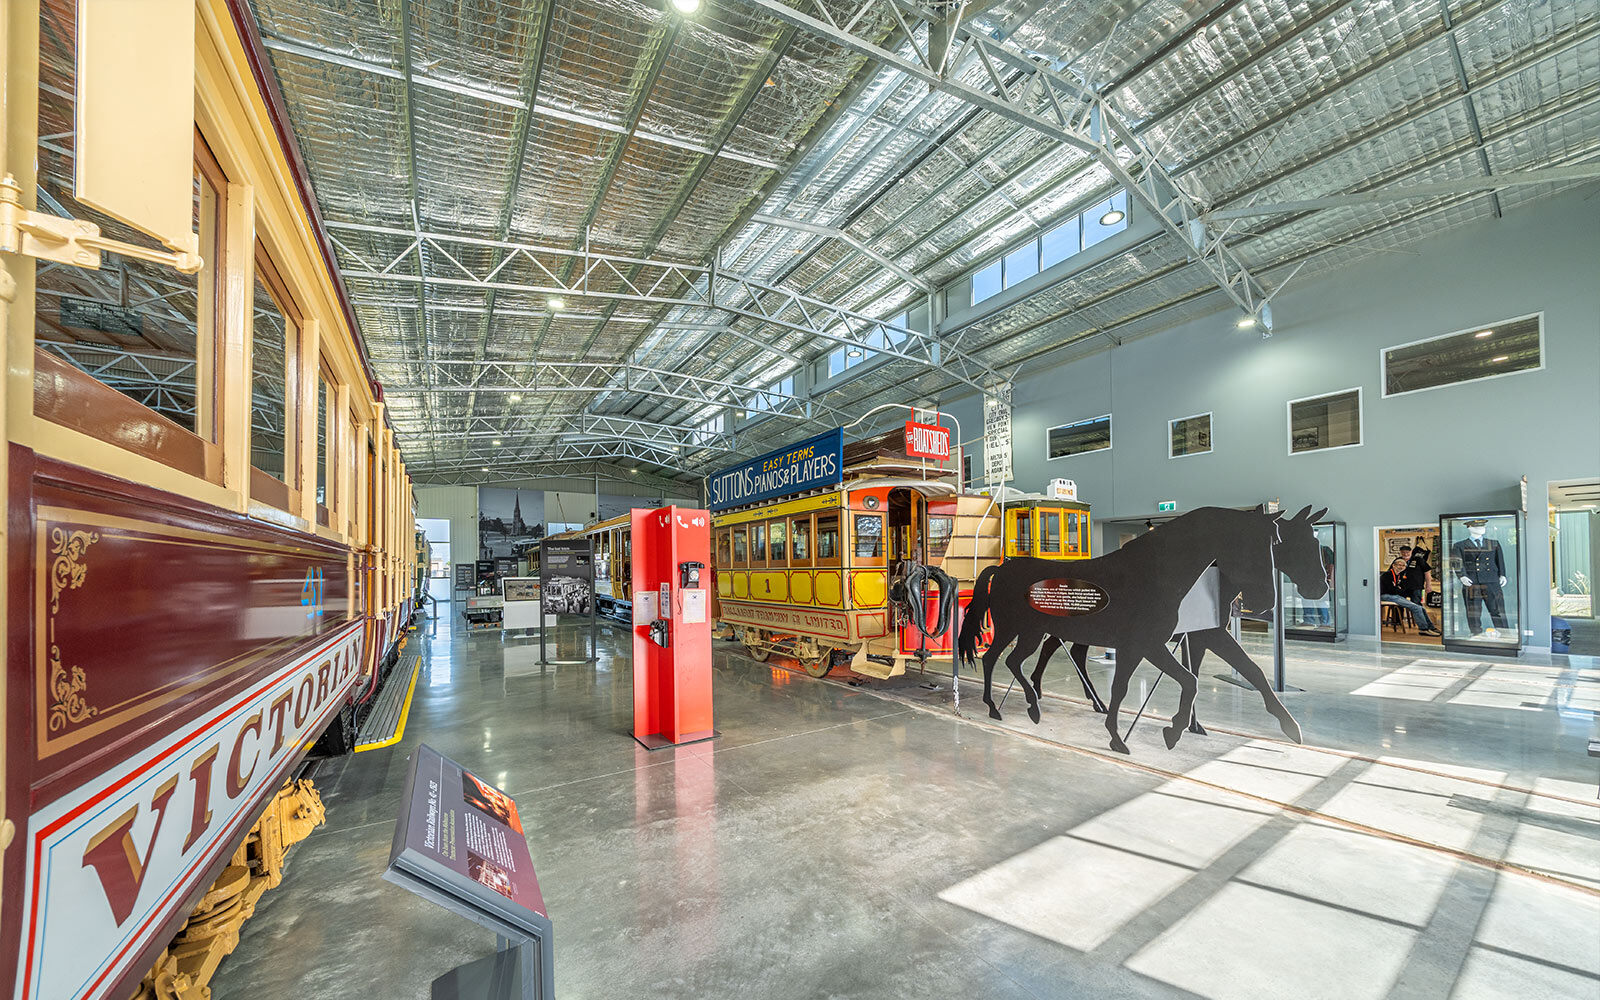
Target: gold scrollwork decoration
{"x":67,"y":685}
{"x":68,"y":572}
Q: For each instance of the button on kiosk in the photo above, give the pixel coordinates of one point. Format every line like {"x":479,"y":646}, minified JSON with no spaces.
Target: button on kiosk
{"x":671,"y":627}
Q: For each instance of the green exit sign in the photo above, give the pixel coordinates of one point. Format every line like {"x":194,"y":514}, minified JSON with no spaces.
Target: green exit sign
{"x":1165,"y":505}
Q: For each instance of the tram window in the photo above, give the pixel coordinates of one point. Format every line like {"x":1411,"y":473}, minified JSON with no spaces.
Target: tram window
{"x":1072,"y":532}
{"x":1050,"y":531}
{"x":276,"y":330}
{"x":777,"y":543}
{"x":869,"y":536}
{"x":758,"y":543}
{"x":147,"y":333}
{"x":800,"y":541}
{"x":724,"y":548}
{"x":327,"y":446}
{"x":1023,"y":540}
{"x":939,"y":531}
{"x":827,"y":539}
{"x":740,"y":554}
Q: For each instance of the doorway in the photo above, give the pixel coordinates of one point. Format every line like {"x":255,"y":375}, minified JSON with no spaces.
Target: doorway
{"x":1398,"y":625}
{"x":905,"y":530}
{"x":437,"y":531}
{"x":1574,"y":558}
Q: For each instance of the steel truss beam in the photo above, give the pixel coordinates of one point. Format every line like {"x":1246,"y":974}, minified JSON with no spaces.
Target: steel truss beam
{"x":570,"y":469}
{"x":586,"y":451}
{"x":1411,"y":192}
{"x":592,"y":377}
{"x":1040,"y":98}
{"x":574,"y":427}
{"x":634,"y":279}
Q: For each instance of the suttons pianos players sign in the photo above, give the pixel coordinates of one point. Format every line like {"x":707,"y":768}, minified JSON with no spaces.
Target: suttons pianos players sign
{"x":927,"y":441}
{"x":107,"y":863}
{"x":814,"y":462}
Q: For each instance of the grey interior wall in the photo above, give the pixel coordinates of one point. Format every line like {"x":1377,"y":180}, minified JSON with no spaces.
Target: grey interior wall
{"x":458,"y":505}
{"x":1457,"y":448}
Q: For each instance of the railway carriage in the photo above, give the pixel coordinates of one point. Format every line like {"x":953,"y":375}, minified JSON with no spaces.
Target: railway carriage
{"x":210,"y":537}
{"x":813,"y":575}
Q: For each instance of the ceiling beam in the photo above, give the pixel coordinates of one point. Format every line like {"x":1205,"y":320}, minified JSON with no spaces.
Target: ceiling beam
{"x":1410,"y":192}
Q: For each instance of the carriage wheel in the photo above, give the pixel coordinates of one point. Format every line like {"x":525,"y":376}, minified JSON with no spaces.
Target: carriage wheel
{"x":758,"y":650}
{"x":823,"y":663}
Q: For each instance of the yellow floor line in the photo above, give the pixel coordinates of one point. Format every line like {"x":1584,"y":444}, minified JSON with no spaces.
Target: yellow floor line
{"x":405,"y":712}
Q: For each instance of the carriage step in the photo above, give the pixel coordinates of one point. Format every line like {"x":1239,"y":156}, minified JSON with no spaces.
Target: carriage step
{"x":386,"y":723}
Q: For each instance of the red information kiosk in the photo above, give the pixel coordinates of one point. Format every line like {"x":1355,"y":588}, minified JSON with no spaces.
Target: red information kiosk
{"x":671,"y":626}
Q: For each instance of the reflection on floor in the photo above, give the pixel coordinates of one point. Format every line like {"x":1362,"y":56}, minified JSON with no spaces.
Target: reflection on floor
{"x":867,"y":842}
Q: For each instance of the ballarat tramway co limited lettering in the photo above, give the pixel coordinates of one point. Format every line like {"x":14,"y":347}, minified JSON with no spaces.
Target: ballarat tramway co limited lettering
{"x":112,"y":860}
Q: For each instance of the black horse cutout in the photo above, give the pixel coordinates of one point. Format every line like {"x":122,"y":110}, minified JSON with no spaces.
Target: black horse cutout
{"x":1128,"y":601}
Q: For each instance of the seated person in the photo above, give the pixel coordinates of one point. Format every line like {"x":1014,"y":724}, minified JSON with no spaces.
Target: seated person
{"x":1393,"y":589}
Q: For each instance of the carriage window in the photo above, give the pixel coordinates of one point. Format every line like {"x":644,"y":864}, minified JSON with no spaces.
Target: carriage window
{"x":142,"y":330}
{"x":740,"y":554}
{"x":827,"y":539}
{"x":869,"y":536}
{"x":325,"y":467}
{"x":626,"y":572}
{"x":939,"y":531}
{"x":1022,"y":538}
{"x":276,"y":330}
{"x":800,"y":541}
{"x":724,"y":548}
{"x":758,"y":543}
{"x":777,"y":543}
{"x":1050,"y":531}
{"x":1072,"y":532}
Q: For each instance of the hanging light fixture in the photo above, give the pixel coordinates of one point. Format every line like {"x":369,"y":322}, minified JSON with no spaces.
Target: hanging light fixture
{"x":854,"y":352}
{"x":1246,"y":322}
{"x":556,"y":302}
{"x":686,"y":6}
{"x":1113,"y":217}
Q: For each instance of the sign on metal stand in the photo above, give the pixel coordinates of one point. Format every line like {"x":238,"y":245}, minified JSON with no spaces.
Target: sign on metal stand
{"x":566,"y":586}
{"x":458,"y":842}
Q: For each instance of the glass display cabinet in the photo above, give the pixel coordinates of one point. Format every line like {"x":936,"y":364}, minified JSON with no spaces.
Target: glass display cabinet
{"x":1326,"y":618}
{"x":1480,"y":570}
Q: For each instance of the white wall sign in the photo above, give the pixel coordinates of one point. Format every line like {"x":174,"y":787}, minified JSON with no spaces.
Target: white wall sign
{"x":997,"y":435}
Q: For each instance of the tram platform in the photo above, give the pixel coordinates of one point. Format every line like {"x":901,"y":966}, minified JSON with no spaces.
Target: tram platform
{"x":918,"y":853}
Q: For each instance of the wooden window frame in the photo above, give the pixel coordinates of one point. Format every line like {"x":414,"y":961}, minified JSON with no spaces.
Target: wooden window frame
{"x":1061,"y":536}
{"x":264,"y":487}
{"x":837,"y":559}
{"x":724,"y":548}
{"x":758,"y":528}
{"x":67,"y":396}
{"x":866,"y":561}
{"x":811,"y":550}
{"x":737,"y":535}
{"x":782,"y":524}
{"x":326,"y":512}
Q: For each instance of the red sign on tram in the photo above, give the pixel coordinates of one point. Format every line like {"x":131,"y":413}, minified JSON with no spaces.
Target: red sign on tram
{"x":927,"y":441}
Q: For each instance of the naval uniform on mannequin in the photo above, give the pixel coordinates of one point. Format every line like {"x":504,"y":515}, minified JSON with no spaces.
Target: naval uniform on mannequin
{"x":1481,"y":566}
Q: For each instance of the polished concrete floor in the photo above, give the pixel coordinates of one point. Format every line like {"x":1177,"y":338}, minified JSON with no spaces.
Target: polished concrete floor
{"x":1437,"y":835}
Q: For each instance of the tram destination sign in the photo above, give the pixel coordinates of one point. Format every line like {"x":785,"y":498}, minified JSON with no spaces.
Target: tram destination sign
{"x":814,"y":462}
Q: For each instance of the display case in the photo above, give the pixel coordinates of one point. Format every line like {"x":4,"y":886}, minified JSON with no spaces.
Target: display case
{"x":1480,"y":568}
{"x":1326,"y":618}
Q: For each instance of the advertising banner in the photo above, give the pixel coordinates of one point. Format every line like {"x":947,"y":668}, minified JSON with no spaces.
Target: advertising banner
{"x":566,"y":576}
{"x":927,"y":441}
{"x":997,"y":435}
{"x":814,"y":462}
{"x":110,"y":862}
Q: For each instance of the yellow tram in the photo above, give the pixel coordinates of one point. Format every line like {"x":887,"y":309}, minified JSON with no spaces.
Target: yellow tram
{"x":811,"y":575}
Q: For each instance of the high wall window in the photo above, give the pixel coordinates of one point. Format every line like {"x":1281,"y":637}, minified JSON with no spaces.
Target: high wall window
{"x":1189,"y":435}
{"x":1503,"y":348}
{"x":771,"y":397}
{"x":1078,"y":438}
{"x":706,"y":431}
{"x":275,"y":342}
{"x":1062,"y":241}
{"x":1318,"y":423}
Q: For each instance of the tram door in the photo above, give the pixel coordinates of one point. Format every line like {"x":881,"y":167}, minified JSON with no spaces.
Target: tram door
{"x":907,"y":529}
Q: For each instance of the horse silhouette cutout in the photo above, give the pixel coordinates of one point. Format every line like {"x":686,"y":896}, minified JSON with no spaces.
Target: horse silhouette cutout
{"x":1128,"y":601}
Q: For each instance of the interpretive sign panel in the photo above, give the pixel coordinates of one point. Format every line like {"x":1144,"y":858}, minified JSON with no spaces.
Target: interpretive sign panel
{"x":466,"y":576}
{"x":566,"y":576}
{"x":459,"y":840}
{"x":927,"y":441}
{"x":997,"y":435}
{"x":814,"y":462}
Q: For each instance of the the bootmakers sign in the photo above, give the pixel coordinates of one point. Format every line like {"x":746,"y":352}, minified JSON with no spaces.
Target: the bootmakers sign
{"x":927,"y":441}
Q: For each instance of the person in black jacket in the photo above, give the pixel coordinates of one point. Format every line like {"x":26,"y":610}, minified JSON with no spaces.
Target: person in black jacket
{"x":1393,"y":587}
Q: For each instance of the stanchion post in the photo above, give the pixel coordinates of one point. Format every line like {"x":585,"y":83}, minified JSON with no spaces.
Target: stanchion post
{"x":955,"y":653}
{"x":1277,"y":629}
